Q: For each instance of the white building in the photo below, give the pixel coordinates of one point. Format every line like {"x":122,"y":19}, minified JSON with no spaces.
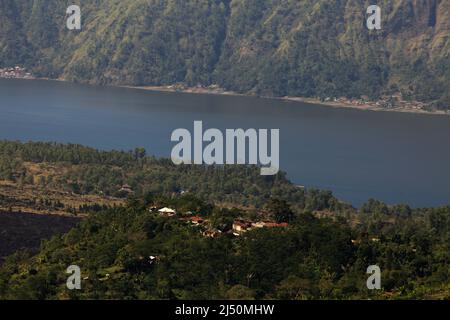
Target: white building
{"x":167,"y":212}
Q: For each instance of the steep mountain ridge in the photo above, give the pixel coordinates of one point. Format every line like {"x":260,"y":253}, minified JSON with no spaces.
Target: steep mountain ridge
{"x":266,"y":47}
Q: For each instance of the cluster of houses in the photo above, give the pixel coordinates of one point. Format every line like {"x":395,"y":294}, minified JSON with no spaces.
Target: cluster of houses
{"x":15,"y":73}
{"x":387,"y":102}
{"x":239,"y":226}
{"x":242,"y":226}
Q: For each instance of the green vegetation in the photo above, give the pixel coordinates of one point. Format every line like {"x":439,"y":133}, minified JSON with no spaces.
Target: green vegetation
{"x":130,"y":253}
{"x":311,"y":48}
{"x":133,"y":252}
{"x":84,"y":170}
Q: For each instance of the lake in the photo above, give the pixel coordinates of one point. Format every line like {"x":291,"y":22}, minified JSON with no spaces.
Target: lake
{"x":394,"y":157}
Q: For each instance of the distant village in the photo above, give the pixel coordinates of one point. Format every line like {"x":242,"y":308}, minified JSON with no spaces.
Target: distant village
{"x":395,"y":101}
{"x":15,"y":73}
{"x":386,"y":102}
{"x":239,"y":227}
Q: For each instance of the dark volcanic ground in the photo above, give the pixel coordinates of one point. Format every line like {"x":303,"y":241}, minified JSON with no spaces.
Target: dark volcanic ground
{"x":26,"y":231}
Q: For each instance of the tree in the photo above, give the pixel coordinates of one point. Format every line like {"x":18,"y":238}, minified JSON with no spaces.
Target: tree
{"x":139,"y":153}
{"x":240,"y":292}
{"x":295,"y":288}
{"x":280,"y":210}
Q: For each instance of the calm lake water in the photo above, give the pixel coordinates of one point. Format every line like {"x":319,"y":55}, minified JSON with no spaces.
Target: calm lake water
{"x":394,"y":157}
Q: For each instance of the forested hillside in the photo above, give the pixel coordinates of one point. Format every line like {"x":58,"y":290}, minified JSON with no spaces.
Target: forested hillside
{"x":82,"y":170}
{"x":294,"y":243}
{"x":130,"y":253}
{"x":312,"y":48}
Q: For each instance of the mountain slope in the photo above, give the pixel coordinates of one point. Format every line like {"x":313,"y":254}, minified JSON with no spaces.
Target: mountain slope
{"x":266,"y":47}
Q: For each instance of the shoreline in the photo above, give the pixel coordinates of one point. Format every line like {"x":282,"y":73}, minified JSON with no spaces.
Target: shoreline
{"x":311,"y":101}
{"x":365,"y":107}
{"x":223,"y":92}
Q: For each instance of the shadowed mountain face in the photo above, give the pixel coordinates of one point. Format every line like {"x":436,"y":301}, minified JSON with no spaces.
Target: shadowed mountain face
{"x":283,"y":47}
{"x":26,"y":231}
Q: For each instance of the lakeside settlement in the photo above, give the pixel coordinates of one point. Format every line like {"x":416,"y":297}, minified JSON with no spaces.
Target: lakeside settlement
{"x":393,"y":103}
{"x":15,"y":73}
